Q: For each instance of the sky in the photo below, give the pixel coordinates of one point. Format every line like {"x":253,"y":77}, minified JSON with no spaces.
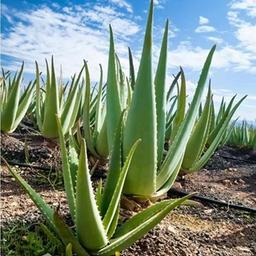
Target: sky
{"x":33,"y":30}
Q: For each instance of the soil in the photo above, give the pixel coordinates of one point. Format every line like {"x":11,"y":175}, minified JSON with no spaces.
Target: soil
{"x":189,"y":230}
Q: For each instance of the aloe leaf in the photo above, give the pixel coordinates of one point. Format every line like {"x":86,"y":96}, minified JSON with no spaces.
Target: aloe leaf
{"x":114,"y":223}
{"x":221,"y":120}
{"x":181,"y":106}
{"x":131,"y":66}
{"x":99,"y":193}
{"x":86,"y":113}
{"x":49,"y":128}
{"x":160,"y":92}
{"x":142,"y":124}
{"x":139,"y":226}
{"x":51,"y":236}
{"x":115,"y":199}
{"x":73,"y":161}
{"x":90,"y":229}
{"x":212,"y":147}
{"x":115,"y":166}
{"x":177,"y":148}
{"x":121,"y":84}
{"x":198,"y":137}
{"x":67,"y":235}
{"x":113,"y":100}
{"x":69,"y":250}
{"x":36,"y":198}
{"x":67,"y":176}
{"x":71,"y":107}
{"x":102,"y":141}
{"x":99,"y":118}
{"x":39,"y":116}
{"x":213,"y":119}
{"x":10,"y":109}
{"x":169,"y":183}
{"x":174,"y":82}
{"x":24,"y":105}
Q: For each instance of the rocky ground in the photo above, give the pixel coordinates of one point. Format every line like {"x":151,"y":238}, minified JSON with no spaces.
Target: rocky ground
{"x":203,"y":229}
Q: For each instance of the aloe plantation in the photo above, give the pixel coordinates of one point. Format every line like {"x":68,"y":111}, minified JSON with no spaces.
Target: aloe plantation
{"x":132,"y":163}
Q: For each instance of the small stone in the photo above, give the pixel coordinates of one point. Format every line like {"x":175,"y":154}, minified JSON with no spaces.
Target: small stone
{"x":243,"y":249}
{"x":208,"y":211}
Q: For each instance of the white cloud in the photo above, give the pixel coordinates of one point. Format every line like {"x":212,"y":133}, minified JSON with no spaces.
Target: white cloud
{"x":205,"y":29}
{"x":245,"y":30}
{"x":226,"y":58}
{"x":203,"y":20}
{"x":122,"y":4}
{"x":159,"y":4}
{"x":215,"y":39}
{"x":246,"y":34}
{"x":247,"y":5}
{"x":71,"y":35}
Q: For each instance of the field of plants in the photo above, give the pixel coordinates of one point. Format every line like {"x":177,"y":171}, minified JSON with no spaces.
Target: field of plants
{"x":129,"y":166}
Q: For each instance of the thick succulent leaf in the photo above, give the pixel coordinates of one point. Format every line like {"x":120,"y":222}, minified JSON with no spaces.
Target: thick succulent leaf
{"x":177,"y":148}
{"x":221,"y":120}
{"x":71,"y":107}
{"x":212,"y":147}
{"x":171,"y":112}
{"x":39,"y":115}
{"x":142,"y":124}
{"x":121,"y":83}
{"x":115,"y":199}
{"x":174,"y":82}
{"x":99,"y":192}
{"x":67,"y":176}
{"x":73,"y":160}
{"x":49,"y":128}
{"x":36,"y":198}
{"x":102,"y":141}
{"x":212,"y":122}
{"x":67,"y":235}
{"x":169,"y":183}
{"x":24,"y":105}
{"x":181,"y":107}
{"x":168,"y":131}
{"x":9,"y":113}
{"x":99,"y":117}
{"x":69,"y":250}
{"x":131,"y":66}
{"x":138,"y":226}
{"x":86,"y":113}
{"x":115,"y":167}
{"x":199,"y":136}
{"x":90,"y":229}
{"x":114,"y":223}
{"x":160,"y":92}
{"x":51,"y":235}
{"x":113,"y":100}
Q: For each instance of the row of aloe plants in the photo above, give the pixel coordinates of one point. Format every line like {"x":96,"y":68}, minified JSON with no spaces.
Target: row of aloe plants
{"x":148,"y":133}
{"x":242,"y":135}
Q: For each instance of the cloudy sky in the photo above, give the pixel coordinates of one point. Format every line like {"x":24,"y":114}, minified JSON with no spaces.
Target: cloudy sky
{"x":76,"y":30}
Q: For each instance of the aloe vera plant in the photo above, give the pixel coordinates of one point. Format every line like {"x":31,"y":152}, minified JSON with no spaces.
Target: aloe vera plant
{"x":13,"y":104}
{"x":96,"y":216}
{"x":99,"y":121}
{"x":243,"y":135}
{"x":94,"y":122}
{"x":150,"y":174}
{"x":207,"y":135}
{"x":53,"y":102}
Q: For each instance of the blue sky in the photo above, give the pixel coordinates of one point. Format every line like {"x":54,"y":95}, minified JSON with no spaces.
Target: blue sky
{"x":77,"y":30}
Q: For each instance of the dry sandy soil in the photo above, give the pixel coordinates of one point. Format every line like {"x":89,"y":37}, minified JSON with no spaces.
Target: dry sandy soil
{"x":204,"y":229}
